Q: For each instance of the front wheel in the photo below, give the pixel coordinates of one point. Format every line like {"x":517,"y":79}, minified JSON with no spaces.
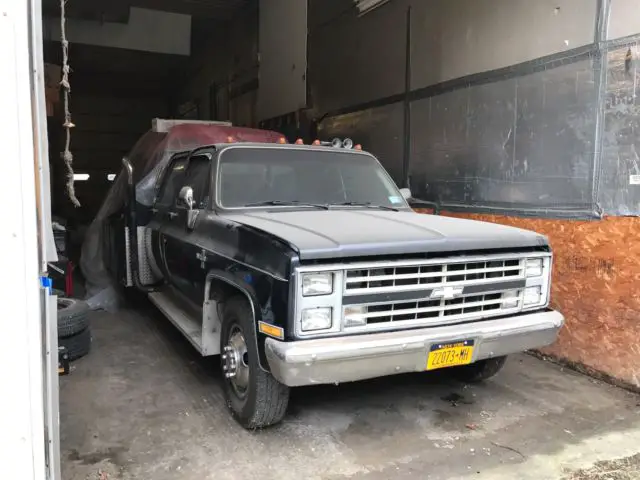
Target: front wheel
{"x":480,"y":370}
{"x":256,"y":399}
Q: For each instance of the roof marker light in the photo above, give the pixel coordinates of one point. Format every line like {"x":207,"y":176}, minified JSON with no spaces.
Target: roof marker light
{"x":282,"y":140}
{"x":299,"y":142}
{"x":358,"y":147}
{"x":316,"y":142}
{"x":230,"y":139}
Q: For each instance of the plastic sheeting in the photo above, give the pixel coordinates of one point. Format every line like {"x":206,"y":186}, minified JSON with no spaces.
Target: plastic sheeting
{"x":516,"y":144}
{"x":619,"y":182}
{"x":149,"y":157}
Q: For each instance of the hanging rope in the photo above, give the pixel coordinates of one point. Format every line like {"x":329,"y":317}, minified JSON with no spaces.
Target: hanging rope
{"x":67,"y":156}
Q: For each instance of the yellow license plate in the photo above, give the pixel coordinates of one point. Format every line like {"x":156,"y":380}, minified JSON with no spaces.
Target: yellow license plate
{"x":442,"y":355}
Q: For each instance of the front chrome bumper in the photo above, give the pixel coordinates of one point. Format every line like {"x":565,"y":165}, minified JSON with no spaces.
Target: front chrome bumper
{"x":358,"y":357}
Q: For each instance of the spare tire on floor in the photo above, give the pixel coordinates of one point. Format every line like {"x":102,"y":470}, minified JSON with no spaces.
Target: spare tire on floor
{"x":77,"y":345}
{"x":73,"y":316}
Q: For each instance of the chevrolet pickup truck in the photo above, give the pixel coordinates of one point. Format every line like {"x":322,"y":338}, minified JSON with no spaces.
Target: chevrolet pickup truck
{"x":304,"y":264}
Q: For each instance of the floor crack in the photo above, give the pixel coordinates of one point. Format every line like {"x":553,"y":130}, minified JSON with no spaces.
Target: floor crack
{"x":509,"y":448}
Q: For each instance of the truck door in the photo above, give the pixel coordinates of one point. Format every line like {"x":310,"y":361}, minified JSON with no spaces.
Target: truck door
{"x":164,"y":209}
{"x":181,"y":251}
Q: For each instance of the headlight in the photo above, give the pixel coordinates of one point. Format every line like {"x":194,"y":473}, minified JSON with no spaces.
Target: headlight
{"x":316,"y":319}
{"x":317,"y":284}
{"x":532,"y":296}
{"x":533,"y":267}
{"x":537,"y":283}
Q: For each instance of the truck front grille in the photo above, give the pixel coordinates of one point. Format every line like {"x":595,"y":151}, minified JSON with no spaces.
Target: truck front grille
{"x":484,"y":287}
{"x":432,"y":312}
{"x":416,"y":277}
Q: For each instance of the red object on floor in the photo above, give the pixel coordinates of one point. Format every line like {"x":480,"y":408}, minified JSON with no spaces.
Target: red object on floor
{"x":68,"y":280}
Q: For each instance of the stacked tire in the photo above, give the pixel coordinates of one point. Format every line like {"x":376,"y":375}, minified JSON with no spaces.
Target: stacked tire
{"x":73,"y":327}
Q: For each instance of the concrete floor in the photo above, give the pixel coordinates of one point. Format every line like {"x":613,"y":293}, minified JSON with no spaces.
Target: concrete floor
{"x":144,"y":405}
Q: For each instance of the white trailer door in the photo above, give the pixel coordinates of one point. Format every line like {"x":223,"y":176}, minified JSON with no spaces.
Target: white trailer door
{"x":22,"y":419}
{"x":282,"y":43}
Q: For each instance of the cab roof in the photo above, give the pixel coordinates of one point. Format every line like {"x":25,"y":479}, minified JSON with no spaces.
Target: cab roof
{"x":286,"y":146}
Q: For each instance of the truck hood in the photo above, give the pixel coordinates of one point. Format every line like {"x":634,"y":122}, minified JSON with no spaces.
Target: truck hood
{"x":350,"y":233}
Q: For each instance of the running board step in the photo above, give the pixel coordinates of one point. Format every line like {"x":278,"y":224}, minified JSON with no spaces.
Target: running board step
{"x":191,"y":326}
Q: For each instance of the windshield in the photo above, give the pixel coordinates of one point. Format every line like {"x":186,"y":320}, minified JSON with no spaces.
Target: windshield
{"x":282,"y":177}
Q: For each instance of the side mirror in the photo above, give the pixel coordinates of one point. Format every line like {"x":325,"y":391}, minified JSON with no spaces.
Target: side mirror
{"x":406,"y":193}
{"x":186,"y":196}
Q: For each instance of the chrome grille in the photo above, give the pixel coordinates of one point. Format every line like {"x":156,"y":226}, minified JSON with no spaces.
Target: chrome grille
{"x":426,"y":312}
{"x":379,"y":296}
{"x":430,"y":275}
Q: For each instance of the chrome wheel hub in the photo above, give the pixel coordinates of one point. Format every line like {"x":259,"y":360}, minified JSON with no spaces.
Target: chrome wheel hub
{"x":235,"y":363}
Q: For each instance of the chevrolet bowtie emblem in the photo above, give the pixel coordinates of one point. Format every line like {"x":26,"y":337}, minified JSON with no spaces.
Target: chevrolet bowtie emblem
{"x":447,"y":292}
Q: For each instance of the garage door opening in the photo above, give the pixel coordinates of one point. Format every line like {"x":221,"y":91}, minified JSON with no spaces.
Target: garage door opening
{"x":128,"y":64}
{"x":502,"y":137}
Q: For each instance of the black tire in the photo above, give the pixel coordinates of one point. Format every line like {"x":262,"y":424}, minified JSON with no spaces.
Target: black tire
{"x":73,"y":316}
{"x":479,"y":371}
{"x":264,"y":400}
{"x":77,"y":345}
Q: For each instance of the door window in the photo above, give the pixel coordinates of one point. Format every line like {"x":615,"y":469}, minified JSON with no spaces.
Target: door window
{"x":197,"y":177}
{"x":173,"y":180}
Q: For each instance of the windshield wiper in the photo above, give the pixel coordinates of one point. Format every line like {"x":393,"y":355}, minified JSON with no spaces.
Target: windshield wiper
{"x":286,"y":203}
{"x":365,"y":204}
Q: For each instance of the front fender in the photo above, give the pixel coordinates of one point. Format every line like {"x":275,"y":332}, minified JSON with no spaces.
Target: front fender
{"x":247,"y":290}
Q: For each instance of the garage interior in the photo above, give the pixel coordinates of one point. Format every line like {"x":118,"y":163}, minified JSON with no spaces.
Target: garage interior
{"x":512,"y":112}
